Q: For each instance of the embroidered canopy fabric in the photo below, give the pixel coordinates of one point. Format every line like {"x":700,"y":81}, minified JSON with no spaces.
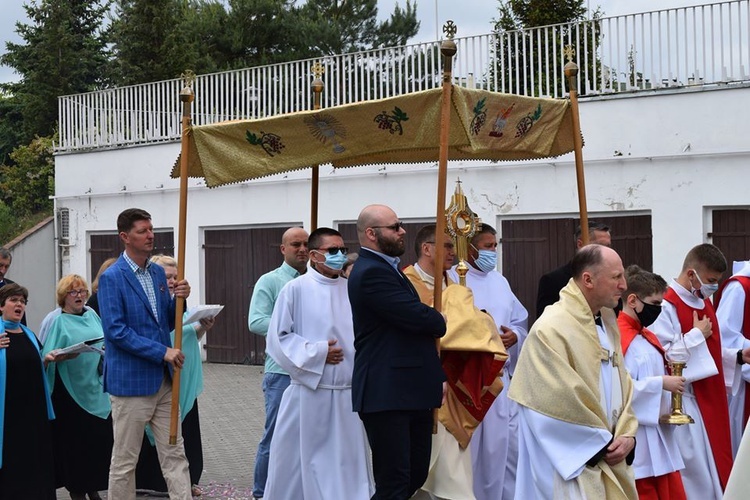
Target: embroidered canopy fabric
{"x":404,"y":129}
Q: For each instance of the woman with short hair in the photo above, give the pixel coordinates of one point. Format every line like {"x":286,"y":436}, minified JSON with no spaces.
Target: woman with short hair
{"x":27,"y":468}
{"x":83,"y":428}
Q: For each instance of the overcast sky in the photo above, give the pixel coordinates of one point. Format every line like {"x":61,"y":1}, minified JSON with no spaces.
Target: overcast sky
{"x":473,"y":17}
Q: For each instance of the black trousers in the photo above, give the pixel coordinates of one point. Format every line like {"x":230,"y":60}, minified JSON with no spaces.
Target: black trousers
{"x":400,"y":442}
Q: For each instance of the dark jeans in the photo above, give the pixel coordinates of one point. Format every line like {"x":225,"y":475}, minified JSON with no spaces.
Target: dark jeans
{"x":274,"y":385}
{"x":400,"y":442}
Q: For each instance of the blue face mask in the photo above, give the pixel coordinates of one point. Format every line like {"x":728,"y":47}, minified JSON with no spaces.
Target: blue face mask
{"x":706,"y":289}
{"x":336,"y":261}
{"x":486,"y":261}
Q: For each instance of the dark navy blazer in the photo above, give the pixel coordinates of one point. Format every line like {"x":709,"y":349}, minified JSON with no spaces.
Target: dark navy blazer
{"x":135,"y":342}
{"x":396,"y":365}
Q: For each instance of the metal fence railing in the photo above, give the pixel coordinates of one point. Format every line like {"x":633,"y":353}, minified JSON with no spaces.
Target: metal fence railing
{"x":705,"y":45}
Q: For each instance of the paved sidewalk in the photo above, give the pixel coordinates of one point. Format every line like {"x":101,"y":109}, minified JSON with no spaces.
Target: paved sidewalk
{"x":232,"y":417}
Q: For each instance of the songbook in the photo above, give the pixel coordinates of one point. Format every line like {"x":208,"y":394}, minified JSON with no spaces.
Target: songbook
{"x":197,"y":313}
{"x":81,"y":347}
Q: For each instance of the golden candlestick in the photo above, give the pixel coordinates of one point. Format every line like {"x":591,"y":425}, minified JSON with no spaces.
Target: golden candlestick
{"x":676,"y":416}
{"x":677,"y":355}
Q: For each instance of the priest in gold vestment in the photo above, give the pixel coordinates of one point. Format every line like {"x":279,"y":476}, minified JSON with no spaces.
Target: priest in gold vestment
{"x":471,"y":335}
{"x":577,"y":427}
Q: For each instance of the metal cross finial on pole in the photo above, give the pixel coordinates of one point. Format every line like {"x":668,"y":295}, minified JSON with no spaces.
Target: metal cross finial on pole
{"x":450,"y":30}
{"x":186,"y":98}
{"x":571,"y":72}
{"x":317,"y":88}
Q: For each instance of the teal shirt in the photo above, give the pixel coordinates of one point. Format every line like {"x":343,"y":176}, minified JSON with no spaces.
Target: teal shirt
{"x":265,"y":293}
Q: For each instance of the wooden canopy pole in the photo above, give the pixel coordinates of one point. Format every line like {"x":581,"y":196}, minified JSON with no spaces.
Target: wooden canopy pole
{"x":448,"y":50}
{"x":571,"y":72}
{"x":317,"y":88}
{"x":186,"y":98}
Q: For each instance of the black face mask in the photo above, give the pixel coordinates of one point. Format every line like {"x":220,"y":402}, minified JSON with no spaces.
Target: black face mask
{"x":649,"y":314}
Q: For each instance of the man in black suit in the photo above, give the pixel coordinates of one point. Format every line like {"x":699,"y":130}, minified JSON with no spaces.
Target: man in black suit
{"x":551,"y":283}
{"x":397,"y":378}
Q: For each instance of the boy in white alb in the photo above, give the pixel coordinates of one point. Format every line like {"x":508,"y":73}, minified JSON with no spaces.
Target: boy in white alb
{"x":657,"y":456}
{"x":706,"y":445}
{"x":733,"y":312}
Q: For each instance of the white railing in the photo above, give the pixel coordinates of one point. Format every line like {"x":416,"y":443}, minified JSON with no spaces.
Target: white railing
{"x":706,"y":45}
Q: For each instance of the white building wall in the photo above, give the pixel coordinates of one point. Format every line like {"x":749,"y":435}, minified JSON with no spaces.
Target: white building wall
{"x":33,"y":266}
{"x":672,"y":154}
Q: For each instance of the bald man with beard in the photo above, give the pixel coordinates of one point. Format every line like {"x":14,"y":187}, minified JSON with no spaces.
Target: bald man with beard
{"x":275,"y":379}
{"x":397,"y":378}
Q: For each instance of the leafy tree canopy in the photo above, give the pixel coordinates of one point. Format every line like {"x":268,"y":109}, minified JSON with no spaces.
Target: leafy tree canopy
{"x":28,"y":184}
{"x":516,"y":14}
{"x":63,"y":52}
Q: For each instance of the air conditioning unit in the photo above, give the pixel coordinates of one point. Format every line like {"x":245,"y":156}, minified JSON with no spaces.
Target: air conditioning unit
{"x":63,"y":226}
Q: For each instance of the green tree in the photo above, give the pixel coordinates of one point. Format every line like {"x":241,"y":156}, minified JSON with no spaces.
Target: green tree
{"x":11,"y":123}
{"x":63,"y":52}
{"x":344,"y":26}
{"x":157,"y":39}
{"x":9,"y":224}
{"x":148,"y":42}
{"x":517,"y":14}
{"x":517,"y":44}
{"x":28,"y":183}
{"x":265,"y":32}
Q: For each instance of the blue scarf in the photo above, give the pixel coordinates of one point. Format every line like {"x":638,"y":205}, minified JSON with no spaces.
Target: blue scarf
{"x":9,"y":325}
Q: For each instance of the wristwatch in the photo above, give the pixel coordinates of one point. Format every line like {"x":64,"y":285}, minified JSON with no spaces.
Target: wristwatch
{"x":740,"y":361}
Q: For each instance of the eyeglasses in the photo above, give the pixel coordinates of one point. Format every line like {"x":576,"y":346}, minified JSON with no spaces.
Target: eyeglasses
{"x":332,"y":250}
{"x":393,"y":227}
{"x":16,"y":300}
{"x":74,"y":293}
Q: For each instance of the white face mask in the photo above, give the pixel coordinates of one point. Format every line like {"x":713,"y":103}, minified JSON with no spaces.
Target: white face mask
{"x":706,"y":289}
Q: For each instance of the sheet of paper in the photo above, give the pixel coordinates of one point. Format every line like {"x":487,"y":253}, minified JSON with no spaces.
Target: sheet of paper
{"x":82,"y":347}
{"x":200,"y":312}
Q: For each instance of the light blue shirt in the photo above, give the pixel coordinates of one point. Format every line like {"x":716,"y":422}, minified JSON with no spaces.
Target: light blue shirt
{"x":393,"y":261}
{"x":265,"y":293}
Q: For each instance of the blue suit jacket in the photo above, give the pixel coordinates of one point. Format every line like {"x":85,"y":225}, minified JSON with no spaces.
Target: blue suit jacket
{"x":135,"y":342}
{"x":396,"y":366}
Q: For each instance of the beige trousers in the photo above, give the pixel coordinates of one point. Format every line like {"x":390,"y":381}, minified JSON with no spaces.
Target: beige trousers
{"x":130,"y":414}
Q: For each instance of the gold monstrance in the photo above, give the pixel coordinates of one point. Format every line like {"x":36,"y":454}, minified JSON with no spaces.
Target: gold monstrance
{"x":462,"y":225}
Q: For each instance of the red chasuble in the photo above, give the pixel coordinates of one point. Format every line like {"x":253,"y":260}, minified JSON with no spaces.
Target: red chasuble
{"x":710,"y":392}
{"x":744,"y":281}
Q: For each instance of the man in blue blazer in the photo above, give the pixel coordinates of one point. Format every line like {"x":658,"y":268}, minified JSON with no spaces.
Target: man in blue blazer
{"x":137,"y":316}
{"x":397,"y":378}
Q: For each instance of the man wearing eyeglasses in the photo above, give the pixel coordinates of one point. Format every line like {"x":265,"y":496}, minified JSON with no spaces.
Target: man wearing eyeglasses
{"x":494,"y":444}
{"x":397,"y":378}
{"x":311,"y":337}
{"x":472,"y":353}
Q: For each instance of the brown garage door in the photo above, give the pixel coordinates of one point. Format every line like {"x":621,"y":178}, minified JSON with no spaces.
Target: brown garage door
{"x":537,"y":246}
{"x":106,"y":245}
{"x":731,"y":233}
{"x":234,"y":260}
